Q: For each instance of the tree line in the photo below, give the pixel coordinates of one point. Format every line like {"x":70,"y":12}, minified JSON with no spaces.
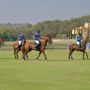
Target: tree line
{"x":56,"y":28}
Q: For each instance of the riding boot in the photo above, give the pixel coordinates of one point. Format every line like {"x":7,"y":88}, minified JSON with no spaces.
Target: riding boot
{"x":80,"y":47}
{"x":34,"y":47}
{"x":18,"y":49}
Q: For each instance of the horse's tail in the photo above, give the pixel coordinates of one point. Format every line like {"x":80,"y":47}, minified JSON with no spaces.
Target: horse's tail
{"x":70,"y":47}
{"x":14,"y":46}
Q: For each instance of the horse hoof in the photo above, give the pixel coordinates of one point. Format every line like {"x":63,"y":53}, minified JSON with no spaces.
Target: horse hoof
{"x":45,"y":58}
{"x":23,"y":57}
{"x":37,"y":58}
{"x":27,"y":57}
{"x":69,"y":58}
{"x":17,"y":57}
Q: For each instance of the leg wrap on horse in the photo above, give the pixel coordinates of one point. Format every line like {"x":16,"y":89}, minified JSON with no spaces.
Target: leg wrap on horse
{"x":23,"y":57}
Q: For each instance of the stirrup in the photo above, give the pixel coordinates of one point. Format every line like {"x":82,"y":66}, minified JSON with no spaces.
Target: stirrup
{"x":80,"y":48}
{"x":18,"y":50}
{"x":34,"y":48}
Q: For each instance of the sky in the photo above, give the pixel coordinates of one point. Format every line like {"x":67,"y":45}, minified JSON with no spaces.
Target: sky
{"x":34,"y":11}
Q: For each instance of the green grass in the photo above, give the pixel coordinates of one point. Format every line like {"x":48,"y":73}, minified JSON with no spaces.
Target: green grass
{"x":58,"y":73}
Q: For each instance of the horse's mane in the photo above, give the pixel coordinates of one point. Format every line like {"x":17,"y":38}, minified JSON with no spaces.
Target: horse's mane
{"x":84,"y":42}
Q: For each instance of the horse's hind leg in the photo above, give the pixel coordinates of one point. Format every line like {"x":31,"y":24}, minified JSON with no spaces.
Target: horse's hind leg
{"x":17,"y":54}
{"x":86,"y":55}
{"x":27,"y":56}
{"x":83,"y":55}
{"x":14,"y":54}
{"x":70,"y":54}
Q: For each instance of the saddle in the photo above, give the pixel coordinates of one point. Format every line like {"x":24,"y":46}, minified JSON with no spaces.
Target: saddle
{"x":78,"y":47}
{"x":37,"y":46}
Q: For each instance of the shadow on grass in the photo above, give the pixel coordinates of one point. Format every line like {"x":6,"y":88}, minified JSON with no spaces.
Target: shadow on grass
{"x":48,"y":60}
{"x":41,"y":59}
{"x":77,"y":59}
{"x":6,"y":58}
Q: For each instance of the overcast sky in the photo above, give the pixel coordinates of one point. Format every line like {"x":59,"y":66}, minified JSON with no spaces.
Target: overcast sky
{"x":34,"y":11}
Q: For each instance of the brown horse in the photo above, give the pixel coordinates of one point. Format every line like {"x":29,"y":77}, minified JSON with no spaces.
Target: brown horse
{"x":75,"y":47}
{"x":41,"y":47}
{"x":1,"y":42}
{"x":15,"y":47}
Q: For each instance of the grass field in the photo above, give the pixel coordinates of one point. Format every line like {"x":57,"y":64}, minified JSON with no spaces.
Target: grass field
{"x":58,"y":73}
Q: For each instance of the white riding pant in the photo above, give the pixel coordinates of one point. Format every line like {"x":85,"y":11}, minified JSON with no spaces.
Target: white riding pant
{"x":36,"y":41}
{"x":20,"y":42}
{"x":78,"y":43}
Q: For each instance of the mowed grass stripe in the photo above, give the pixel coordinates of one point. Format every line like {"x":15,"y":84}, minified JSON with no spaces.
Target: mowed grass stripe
{"x":58,"y":73}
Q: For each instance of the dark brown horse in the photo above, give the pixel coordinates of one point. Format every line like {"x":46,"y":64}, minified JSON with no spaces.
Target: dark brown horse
{"x":15,"y":47}
{"x":75,"y":47}
{"x":1,"y":42}
{"x":41,"y":47}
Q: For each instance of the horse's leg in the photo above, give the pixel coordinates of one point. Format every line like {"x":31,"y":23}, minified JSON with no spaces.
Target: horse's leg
{"x":27,"y":56}
{"x":44,"y":55}
{"x":83,"y":54}
{"x":23,"y":55}
{"x":14,"y":54}
{"x":17,"y":53}
{"x":39,"y":55}
{"x":86,"y":54}
{"x":70,"y":54}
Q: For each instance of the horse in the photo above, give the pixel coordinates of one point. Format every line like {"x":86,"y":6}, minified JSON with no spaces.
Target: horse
{"x":15,"y":47}
{"x":29,"y":46}
{"x":75,"y":47}
{"x":1,"y":42}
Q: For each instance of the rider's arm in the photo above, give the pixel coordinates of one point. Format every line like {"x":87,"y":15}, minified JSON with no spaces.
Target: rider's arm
{"x":34,"y":37}
{"x":18,"y":37}
{"x":82,"y":37}
{"x":42,"y":37}
{"x":76,"y":37}
{"x":24,"y":37}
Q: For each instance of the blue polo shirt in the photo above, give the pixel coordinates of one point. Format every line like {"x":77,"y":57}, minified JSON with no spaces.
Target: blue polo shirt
{"x":36,"y":36}
{"x":21,"y":37}
{"x":79,"y":38}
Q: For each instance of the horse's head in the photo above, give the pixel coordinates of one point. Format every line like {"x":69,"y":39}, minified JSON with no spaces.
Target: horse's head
{"x":87,"y":39}
{"x":49,"y":39}
{"x":84,"y":42}
{"x":1,"y":42}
